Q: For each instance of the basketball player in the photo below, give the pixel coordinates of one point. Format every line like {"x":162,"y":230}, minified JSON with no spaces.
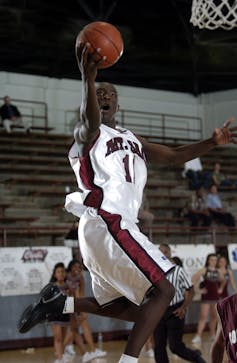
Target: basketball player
{"x":127,"y":270}
{"x":226,"y":334}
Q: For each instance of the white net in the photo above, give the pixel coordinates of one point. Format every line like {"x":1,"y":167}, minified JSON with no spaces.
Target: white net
{"x":213,"y":14}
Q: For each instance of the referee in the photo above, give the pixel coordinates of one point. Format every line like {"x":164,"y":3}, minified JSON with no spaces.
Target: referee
{"x":171,"y":326}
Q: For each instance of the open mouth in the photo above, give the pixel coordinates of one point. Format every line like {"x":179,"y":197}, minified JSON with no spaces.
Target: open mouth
{"x":104,"y":108}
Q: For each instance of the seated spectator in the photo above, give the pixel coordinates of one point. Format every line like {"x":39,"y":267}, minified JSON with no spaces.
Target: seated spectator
{"x":219,"y":179}
{"x":215,"y":207}
{"x":197,"y":210}
{"x":10,"y":116}
{"x":193,"y":171}
{"x":198,"y":178}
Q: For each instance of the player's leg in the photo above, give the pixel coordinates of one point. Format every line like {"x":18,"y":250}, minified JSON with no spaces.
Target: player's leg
{"x":146,"y":316}
{"x":51,"y":303}
{"x":136,"y":273}
{"x":150,"y":313}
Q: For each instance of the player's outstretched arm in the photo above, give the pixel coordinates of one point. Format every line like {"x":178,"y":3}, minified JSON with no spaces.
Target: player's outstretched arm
{"x":87,"y":129}
{"x":179,"y":155}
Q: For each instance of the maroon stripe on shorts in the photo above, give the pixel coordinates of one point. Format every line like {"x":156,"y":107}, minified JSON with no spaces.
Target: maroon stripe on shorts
{"x":95,"y":197}
{"x":132,"y":248}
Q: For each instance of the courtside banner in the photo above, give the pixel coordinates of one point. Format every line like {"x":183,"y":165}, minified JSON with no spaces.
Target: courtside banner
{"x":192,"y":256}
{"x":25,"y":270}
{"x":232,"y":252}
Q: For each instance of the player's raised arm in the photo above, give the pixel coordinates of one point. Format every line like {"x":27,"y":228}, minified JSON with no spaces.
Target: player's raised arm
{"x":86,"y":130}
{"x":178,"y":155}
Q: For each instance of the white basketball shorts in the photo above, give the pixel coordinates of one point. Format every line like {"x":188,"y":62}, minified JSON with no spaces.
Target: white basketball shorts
{"x":121,"y":259}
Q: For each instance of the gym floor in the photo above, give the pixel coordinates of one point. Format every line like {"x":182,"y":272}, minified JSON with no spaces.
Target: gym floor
{"x":114,"y":349}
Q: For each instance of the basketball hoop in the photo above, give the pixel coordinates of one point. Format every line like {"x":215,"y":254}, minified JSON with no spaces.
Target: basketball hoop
{"x":213,"y":14}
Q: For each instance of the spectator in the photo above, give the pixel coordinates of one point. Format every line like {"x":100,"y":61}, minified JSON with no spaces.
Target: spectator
{"x":75,"y":281}
{"x":209,"y":282}
{"x":197,"y":210}
{"x":11,"y":116}
{"x":226,"y":331}
{"x":214,"y":205}
{"x":60,"y":325}
{"x":193,"y":171}
{"x":222,"y":265}
{"x":171,"y":325}
{"x":219,"y":179}
{"x":198,"y":178}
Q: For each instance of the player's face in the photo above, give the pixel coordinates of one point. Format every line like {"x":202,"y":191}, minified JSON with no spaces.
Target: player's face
{"x":108,"y":103}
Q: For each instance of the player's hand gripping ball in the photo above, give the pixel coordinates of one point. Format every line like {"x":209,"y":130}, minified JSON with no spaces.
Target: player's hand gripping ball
{"x":104,"y":36}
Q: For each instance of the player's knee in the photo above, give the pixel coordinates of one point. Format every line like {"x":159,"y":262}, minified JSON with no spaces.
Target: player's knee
{"x":166,"y":289}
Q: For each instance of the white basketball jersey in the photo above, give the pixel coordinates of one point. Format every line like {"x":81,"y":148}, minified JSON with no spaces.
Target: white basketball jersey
{"x":113,"y":173}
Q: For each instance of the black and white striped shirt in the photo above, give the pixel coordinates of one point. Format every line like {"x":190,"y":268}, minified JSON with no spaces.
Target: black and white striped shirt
{"x":181,"y":282}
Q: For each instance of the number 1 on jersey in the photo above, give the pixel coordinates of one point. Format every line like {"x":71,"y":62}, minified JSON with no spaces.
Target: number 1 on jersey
{"x":126,"y":168}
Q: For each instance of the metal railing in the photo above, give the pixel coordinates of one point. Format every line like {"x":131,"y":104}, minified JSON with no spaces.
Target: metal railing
{"x":157,"y":127}
{"x":32,"y":231}
{"x":162,"y":127}
{"x":188,"y":233}
{"x":36,"y":111}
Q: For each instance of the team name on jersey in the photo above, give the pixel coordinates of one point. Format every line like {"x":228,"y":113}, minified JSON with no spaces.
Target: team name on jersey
{"x":118,"y":143}
{"x":233,"y":336}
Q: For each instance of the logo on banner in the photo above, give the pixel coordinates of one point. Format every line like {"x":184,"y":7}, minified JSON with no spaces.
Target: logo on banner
{"x":34,"y":255}
{"x":234,"y":255}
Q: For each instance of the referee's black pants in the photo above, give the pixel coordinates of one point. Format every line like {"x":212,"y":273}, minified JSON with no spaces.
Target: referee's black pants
{"x":171,"y":328}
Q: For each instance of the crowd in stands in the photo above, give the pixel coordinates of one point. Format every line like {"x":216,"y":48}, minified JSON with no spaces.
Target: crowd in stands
{"x":205,"y":205}
{"x":198,"y":177}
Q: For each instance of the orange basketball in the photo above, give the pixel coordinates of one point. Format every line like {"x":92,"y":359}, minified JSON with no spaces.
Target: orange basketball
{"x":104,"y":36}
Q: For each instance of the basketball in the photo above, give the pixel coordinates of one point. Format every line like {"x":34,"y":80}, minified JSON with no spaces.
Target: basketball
{"x":104,"y":36}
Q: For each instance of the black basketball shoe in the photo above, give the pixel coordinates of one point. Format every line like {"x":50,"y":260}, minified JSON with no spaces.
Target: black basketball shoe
{"x":199,"y":358}
{"x":50,"y":303}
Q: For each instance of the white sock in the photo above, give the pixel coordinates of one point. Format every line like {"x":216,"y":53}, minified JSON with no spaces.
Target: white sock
{"x":69,"y":305}
{"x":127,"y":359}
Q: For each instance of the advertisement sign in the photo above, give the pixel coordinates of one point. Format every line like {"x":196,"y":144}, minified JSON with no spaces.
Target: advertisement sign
{"x":193,"y":256}
{"x":26,"y":270}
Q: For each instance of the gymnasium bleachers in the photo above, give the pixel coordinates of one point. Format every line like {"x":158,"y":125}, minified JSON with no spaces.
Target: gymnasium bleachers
{"x":168,"y":193}
{"x":35,"y":174}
